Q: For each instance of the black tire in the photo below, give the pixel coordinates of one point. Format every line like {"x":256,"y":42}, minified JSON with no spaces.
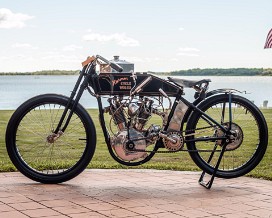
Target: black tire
{"x":40,"y":159}
{"x":246,"y":152}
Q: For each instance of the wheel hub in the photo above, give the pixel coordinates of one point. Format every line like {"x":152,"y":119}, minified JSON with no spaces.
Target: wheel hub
{"x":234,"y":140}
{"x":53,"y":137}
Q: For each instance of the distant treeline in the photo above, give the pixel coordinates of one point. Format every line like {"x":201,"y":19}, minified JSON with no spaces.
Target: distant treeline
{"x":44,"y":72}
{"x":191,"y":72}
{"x":224,"y":72}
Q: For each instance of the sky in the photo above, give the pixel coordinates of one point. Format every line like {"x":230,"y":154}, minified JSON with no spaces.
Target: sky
{"x":155,"y":35}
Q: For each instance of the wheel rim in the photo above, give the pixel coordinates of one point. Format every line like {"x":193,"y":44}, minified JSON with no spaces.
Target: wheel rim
{"x":44,"y":156}
{"x":242,"y":117}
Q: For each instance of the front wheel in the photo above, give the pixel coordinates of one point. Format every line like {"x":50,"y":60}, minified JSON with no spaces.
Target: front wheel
{"x":39,"y":153}
{"x":247,"y":145}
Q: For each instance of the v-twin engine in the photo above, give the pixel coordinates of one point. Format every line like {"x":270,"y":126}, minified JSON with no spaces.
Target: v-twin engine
{"x":130,"y":135}
{"x":130,"y":118}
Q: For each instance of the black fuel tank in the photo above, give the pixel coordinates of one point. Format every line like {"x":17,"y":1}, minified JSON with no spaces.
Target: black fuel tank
{"x":122,"y":83}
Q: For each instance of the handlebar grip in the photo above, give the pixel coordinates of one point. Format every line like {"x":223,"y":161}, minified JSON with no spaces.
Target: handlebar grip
{"x":103,"y":59}
{"x":116,"y":67}
{"x":113,"y":65}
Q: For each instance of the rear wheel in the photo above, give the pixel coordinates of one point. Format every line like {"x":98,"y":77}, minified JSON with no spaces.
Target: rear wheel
{"x":245,"y":149}
{"x":39,"y":153}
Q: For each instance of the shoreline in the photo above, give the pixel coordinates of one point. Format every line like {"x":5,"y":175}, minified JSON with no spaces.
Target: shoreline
{"x":157,"y":74}
{"x":188,"y":72}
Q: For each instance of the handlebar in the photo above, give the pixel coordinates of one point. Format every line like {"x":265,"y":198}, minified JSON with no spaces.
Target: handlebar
{"x":113,"y":65}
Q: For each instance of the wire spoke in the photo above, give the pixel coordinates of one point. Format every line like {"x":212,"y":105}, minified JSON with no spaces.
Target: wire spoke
{"x":35,"y":132}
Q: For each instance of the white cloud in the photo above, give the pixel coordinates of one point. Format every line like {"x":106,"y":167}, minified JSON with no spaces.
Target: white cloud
{"x":190,"y":52}
{"x":71,"y":47}
{"x":62,"y":58}
{"x":181,"y":29}
{"x":17,"y":56}
{"x":120,"y":38}
{"x":56,"y":56}
{"x":187,"y":54}
{"x":9,"y":20}
{"x":188,"y":49}
{"x":142,"y":59}
{"x":23,"y":45}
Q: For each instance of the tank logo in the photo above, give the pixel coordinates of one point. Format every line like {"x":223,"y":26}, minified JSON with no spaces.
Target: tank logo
{"x":114,"y":82}
{"x":124,"y":83}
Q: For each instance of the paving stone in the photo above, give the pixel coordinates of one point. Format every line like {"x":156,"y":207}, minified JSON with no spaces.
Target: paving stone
{"x":47,"y":212}
{"x":120,"y":213}
{"x":74,"y":209}
{"x":87,"y":215}
{"x":264,"y":213}
{"x":145,"y":210}
{"x":57,"y":203}
{"x":192,"y":213}
{"x":4,"y":208}
{"x":163,"y":215}
{"x":26,"y":206}
{"x":13,"y":214}
{"x":134,"y":193}
{"x":101,"y":206}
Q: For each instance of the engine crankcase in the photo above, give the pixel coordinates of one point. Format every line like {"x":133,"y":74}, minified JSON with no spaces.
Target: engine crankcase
{"x":119,"y":144}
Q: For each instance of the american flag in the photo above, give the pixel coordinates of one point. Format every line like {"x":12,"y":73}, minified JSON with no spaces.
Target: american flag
{"x":268,"y":43}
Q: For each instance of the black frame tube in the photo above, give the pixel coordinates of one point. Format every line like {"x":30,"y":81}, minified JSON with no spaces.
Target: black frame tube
{"x":79,"y":92}
{"x":89,"y":76}
{"x":195,"y":108}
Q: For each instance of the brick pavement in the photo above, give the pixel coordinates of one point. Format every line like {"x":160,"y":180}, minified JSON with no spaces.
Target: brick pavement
{"x":134,"y":193}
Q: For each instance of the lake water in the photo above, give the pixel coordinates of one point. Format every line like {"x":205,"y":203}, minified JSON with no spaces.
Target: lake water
{"x":14,"y":90}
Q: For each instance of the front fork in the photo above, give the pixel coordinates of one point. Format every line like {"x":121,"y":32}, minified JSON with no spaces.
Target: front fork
{"x":77,"y":91}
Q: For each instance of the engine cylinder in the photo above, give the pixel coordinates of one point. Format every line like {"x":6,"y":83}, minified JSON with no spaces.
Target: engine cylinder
{"x":117,"y":112}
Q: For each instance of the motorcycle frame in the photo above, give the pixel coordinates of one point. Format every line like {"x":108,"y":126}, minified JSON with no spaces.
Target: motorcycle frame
{"x":89,"y":74}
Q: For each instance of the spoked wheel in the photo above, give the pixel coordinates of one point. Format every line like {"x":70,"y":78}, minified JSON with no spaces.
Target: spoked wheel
{"x":246,"y":146}
{"x":38,"y":152}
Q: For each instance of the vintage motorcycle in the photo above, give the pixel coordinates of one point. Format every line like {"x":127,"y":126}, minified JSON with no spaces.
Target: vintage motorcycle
{"x":51,"y":138}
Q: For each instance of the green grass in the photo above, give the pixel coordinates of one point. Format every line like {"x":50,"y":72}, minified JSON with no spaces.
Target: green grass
{"x":174,"y":161}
